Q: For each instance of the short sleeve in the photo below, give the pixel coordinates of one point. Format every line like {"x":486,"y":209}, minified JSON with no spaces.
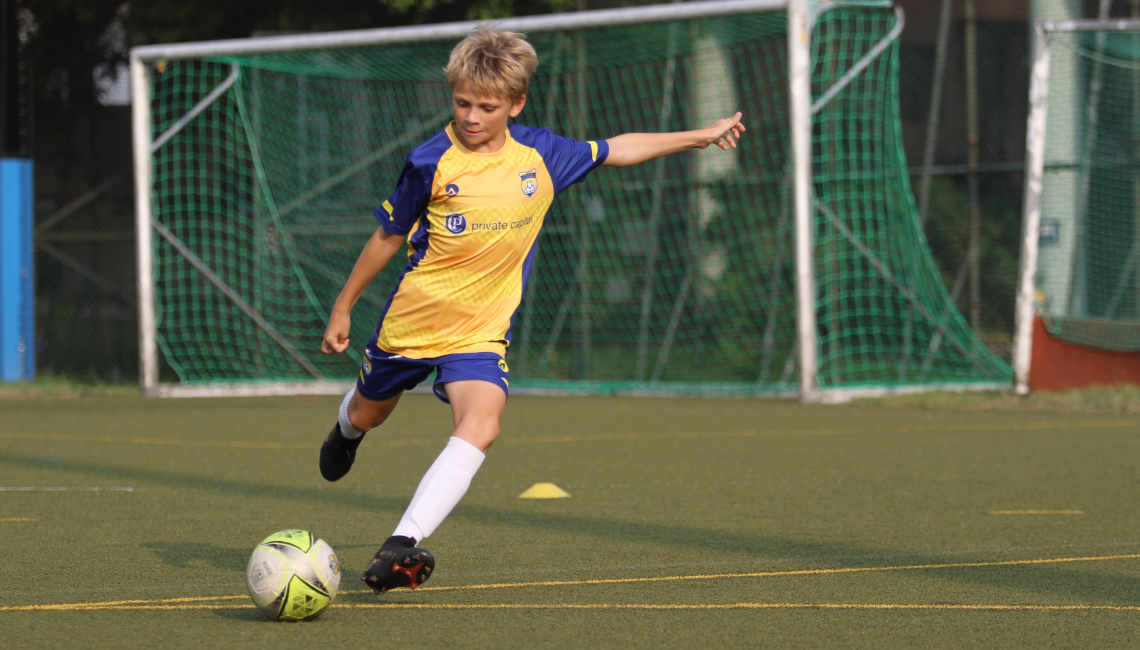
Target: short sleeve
{"x":407,"y":204}
{"x":568,"y":161}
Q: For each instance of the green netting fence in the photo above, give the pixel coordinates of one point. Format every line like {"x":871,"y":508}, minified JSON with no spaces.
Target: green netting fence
{"x":674,"y":276}
{"x":1088,"y":269}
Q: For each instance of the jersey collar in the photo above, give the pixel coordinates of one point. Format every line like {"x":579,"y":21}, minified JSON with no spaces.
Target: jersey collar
{"x":458,"y":144}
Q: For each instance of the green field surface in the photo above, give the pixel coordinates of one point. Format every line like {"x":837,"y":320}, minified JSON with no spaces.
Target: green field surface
{"x":692,"y":523}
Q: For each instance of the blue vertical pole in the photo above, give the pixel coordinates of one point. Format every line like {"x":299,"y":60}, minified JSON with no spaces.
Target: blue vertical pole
{"x":17,"y":272}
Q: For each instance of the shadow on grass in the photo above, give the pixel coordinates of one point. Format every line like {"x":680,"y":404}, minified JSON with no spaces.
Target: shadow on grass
{"x":249,"y":614}
{"x":1055,"y":580}
{"x":1086,"y":587}
{"x":180,"y":554}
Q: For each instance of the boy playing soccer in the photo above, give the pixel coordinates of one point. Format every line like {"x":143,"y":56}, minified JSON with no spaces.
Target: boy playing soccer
{"x":470,"y":201}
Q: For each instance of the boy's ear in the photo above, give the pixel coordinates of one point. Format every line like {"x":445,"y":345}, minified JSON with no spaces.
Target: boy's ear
{"x":517,"y":106}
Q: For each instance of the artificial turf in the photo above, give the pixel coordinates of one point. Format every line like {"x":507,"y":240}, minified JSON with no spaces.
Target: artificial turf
{"x":692,"y":523}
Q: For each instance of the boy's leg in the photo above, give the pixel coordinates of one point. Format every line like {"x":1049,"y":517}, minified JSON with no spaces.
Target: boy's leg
{"x":356,"y":417}
{"x":477,"y":406}
{"x":383,"y":379}
{"x":362,"y":414}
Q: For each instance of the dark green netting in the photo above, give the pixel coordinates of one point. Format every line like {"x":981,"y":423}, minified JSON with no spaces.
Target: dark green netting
{"x":1088,"y":271}
{"x":673,"y":276}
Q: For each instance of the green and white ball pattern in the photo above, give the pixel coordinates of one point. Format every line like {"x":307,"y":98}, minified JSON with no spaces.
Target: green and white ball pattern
{"x":293,"y":575}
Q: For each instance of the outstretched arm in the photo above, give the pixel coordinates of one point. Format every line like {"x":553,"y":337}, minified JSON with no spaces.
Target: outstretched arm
{"x":634,"y":148}
{"x":379,"y":250}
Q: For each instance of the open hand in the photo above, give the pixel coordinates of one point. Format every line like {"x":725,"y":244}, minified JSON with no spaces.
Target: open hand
{"x":724,"y":133}
{"x":336,"y":335}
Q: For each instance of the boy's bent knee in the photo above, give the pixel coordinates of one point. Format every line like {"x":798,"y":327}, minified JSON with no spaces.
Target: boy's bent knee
{"x":480,"y":431}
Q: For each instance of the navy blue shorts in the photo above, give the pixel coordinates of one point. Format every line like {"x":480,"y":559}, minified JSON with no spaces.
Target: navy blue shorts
{"x":384,"y":375}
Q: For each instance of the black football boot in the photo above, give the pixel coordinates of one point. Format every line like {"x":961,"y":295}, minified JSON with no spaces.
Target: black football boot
{"x":399,"y":563}
{"x":338,"y":454}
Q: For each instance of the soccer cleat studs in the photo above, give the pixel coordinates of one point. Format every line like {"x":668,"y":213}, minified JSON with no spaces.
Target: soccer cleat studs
{"x":398,"y":563}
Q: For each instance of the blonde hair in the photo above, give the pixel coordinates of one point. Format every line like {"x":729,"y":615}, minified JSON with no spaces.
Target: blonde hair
{"x":493,"y":63}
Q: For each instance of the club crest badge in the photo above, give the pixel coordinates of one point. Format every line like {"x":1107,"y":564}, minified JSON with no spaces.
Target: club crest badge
{"x":529,"y":181}
{"x":456,"y":223}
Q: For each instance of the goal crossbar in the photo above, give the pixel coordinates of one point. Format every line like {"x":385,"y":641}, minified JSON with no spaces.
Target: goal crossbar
{"x":456,"y":30}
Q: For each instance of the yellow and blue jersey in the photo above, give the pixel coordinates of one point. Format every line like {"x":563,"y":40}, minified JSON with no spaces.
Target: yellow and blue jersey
{"x":473,"y":221}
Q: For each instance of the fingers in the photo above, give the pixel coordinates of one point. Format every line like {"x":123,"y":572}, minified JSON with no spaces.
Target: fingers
{"x":726,"y":131}
{"x":331,"y":344}
{"x":726,"y":141}
{"x":732,"y":130}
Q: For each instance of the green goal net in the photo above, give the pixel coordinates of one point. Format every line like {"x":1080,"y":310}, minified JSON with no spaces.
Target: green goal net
{"x":1088,"y":264}
{"x":675,"y":276}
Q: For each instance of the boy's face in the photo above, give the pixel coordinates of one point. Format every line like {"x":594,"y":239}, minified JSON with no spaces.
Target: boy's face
{"x":480,"y":120}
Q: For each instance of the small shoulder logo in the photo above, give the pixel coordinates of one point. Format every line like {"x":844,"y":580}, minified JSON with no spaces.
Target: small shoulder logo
{"x":452,"y":190}
{"x":529,"y":181}
{"x":456,"y":223}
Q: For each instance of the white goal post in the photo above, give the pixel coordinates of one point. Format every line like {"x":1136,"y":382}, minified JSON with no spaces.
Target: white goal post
{"x":1035,"y":144}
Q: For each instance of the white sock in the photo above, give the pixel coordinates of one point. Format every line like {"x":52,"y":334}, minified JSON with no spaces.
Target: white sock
{"x":444,"y":484}
{"x":346,"y":428}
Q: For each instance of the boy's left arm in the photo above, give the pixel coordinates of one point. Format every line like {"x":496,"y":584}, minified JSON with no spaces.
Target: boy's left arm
{"x":634,"y":148}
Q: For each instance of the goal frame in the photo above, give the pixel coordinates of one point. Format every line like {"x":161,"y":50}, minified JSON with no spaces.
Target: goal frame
{"x":802,"y":15}
{"x":1035,"y":134}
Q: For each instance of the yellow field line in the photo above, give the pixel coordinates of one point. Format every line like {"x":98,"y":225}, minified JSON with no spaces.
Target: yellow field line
{"x":687,"y":435}
{"x":1048,"y":608}
{"x":646,"y":606}
{"x":168,"y":603}
{"x":18,"y":519}
{"x":189,"y":602}
{"x":771,"y":574}
{"x":1037,"y":512}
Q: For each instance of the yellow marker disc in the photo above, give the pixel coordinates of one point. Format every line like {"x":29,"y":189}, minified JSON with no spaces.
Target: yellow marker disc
{"x":544,"y":491}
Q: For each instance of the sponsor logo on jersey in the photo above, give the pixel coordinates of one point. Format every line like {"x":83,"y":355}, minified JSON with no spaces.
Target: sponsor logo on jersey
{"x":503,"y":366}
{"x":452,"y":190}
{"x":456,"y":223}
{"x":529,"y":181}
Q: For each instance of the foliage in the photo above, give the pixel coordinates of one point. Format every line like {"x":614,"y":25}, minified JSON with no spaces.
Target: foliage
{"x":79,"y":35}
{"x":948,"y":234}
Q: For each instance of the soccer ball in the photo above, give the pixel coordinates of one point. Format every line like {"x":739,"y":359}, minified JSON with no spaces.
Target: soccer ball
{"x":292,"y":575}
